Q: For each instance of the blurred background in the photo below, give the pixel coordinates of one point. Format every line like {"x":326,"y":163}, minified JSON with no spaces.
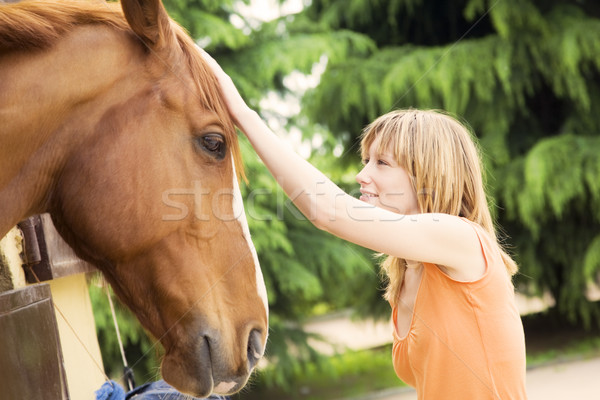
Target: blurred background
{"x":525,"y":74}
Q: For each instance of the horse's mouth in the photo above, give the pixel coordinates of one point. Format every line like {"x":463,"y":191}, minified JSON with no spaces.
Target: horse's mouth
{"x":221,"y":386}
{"x":225,"y":388}
{"x":189,"y":372}
{"x":198,"y":376}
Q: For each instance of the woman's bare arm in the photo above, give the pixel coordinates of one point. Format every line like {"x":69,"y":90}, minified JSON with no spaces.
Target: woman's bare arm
{"x":436,"y":238}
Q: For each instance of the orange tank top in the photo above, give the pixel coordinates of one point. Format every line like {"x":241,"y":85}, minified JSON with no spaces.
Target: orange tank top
{"x":466,"y":340}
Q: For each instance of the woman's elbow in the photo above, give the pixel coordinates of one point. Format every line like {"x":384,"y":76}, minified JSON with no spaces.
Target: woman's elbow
{"x":325,"y":220}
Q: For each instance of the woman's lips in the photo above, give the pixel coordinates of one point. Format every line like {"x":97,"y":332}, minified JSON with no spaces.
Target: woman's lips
{"x":366,"y":196}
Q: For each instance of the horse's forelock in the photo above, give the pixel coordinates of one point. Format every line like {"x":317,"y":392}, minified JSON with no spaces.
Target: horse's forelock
{"x":209,"y":94}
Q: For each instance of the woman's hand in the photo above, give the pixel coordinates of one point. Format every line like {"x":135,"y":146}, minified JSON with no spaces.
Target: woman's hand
{"x":235,"y":103}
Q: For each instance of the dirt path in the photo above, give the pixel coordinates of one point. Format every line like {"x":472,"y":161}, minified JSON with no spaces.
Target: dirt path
{"x":578,"y":380}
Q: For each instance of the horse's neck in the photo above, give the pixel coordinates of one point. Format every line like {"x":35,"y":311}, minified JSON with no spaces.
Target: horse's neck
{"x":48,"y":102}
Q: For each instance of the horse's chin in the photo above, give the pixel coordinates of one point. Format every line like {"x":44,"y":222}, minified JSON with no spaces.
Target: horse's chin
{"x":196,"y":377}
{"x":178,"y":374}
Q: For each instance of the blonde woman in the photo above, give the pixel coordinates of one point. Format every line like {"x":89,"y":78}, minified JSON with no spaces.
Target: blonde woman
{"x":458,"y":334}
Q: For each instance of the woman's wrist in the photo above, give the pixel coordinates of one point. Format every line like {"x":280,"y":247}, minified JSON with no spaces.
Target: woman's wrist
{"x":246,"y":118}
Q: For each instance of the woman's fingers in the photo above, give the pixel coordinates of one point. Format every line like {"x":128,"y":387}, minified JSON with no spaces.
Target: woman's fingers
{"x":234,"y":100}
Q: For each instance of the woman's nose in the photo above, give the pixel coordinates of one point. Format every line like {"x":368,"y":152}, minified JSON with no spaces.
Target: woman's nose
{"x":362,"y":176}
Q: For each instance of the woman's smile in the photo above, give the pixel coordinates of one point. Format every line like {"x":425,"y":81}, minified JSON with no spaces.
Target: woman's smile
{"x":367,"y":196}
{"x":384,"y":183}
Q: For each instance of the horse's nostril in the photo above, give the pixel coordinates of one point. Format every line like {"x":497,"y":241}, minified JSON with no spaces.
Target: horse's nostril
{"x":254,"y":347}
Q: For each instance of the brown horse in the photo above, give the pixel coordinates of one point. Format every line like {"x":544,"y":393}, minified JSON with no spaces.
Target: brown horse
{"x":111,"y":122}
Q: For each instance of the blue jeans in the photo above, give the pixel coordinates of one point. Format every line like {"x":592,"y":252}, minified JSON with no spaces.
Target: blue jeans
{"x":159,"y":390}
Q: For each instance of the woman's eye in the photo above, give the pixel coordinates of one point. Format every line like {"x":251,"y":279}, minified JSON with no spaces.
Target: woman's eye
{"x":382,"y":162}
{"x":214,"y":144}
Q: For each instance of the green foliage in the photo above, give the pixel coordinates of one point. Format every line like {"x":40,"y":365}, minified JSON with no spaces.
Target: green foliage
{"x":525,"y":74}
{"x":591,"y":262}
{"x":350,"y":374}
{"x":208,"y":21}
{"x":261,"y":66}
{"x":141,"y":352}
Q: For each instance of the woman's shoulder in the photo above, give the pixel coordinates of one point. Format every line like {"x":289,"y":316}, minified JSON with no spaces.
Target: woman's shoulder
{"x":479,"y":254}
{"x":487,"y":240}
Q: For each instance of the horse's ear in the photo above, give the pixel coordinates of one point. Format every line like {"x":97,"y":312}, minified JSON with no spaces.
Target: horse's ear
{"x":149,"y":20}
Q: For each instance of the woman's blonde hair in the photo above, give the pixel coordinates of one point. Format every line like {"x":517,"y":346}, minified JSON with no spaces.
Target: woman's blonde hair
{"x":440,"y":156}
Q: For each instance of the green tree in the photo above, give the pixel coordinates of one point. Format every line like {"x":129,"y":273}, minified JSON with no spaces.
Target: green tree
{"x":142,"y":353}
{"x":525,"y":74}
{"x":208,"y":21}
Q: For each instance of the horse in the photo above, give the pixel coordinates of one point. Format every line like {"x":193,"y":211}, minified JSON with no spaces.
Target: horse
{"x":111,"y":122}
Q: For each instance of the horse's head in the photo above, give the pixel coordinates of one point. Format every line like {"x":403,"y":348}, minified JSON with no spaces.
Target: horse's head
{"x":151,"y":197}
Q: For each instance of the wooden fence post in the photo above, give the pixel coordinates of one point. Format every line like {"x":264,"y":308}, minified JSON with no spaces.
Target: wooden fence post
{"x":36,"y":253}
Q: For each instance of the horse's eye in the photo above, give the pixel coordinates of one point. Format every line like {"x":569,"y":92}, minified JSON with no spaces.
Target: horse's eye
{"x":214,"y":144}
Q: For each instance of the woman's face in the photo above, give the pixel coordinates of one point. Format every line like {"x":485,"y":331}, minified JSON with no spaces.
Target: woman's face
{"x":385,"y":184}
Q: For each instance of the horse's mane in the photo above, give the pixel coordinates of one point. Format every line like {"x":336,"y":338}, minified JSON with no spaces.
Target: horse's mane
{"x":30,"y":25}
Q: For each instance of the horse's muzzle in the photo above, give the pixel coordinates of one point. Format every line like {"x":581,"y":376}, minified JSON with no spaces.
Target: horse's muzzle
{"x":209,"y":367}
